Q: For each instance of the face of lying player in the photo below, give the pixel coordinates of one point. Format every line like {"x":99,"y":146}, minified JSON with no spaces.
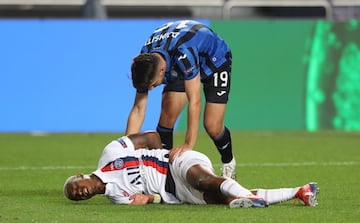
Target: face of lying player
{"x":81,"y":188}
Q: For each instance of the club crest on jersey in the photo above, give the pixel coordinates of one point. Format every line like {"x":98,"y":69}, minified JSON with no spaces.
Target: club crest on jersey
{"x":118,"y":164}
{"x":174,"y":73}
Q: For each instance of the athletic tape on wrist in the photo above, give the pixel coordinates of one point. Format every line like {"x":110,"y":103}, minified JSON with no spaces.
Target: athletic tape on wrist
{"x":157,"y":198}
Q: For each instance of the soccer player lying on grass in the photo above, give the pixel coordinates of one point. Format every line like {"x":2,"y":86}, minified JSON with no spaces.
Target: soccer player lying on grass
{"x":131,"y":170}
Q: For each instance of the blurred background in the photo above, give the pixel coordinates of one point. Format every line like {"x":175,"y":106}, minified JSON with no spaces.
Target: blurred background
{"x":64,"y":64}
{"x":209,"y":9}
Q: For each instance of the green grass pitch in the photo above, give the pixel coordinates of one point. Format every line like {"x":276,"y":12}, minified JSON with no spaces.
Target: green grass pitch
{"x":34,"y":168}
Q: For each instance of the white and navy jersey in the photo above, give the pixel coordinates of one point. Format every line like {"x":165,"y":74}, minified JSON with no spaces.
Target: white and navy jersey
{"x":127,"y":171}
{"x":189,"y":47}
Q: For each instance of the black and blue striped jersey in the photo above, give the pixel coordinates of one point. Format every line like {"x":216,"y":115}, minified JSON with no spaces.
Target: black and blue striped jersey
{"x":189,"y":48}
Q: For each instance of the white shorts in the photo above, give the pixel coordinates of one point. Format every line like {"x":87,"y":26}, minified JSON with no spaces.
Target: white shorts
{"x":184,"y":191}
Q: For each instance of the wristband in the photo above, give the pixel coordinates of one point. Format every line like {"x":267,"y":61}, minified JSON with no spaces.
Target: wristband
{"x":157,"y":198}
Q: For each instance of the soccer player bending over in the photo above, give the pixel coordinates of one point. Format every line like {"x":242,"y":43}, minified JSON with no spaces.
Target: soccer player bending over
{"x":184,"y":56}
{"x":135,"y":170}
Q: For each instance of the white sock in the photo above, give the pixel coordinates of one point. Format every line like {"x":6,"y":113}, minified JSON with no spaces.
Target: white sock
{"x":277,"y":195}
{"x":231,"y":188}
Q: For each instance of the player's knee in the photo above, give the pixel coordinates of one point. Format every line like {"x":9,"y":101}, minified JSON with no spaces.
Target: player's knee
{"x":167,"y":120}
{"x":204,"y":183}
{"x":214,"y":130}
{"x":201,"y":178}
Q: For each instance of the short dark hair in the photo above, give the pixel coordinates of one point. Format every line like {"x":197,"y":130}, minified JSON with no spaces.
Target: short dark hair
{"x":143,"y":70}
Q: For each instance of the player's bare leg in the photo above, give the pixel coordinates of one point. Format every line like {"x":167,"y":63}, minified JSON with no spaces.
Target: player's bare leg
{"x":221,"y":190}
{"x":307,"y":194}
{"x":171,"y":106}
{"x":214,"y":125}
{"x":202,"y":178}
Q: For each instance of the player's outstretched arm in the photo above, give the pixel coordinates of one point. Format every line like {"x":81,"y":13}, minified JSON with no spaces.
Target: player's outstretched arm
{"x":137,"y":114}
{"x":141,"y":199}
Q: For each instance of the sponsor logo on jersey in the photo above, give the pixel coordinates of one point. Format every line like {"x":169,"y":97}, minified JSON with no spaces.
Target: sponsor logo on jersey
{"x":190,"y":70}
{"x":122,"y":142}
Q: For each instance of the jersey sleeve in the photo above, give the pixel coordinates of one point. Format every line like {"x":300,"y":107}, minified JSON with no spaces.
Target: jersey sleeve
{"x":114,"y":150}
{"x":187,"y":60}
{"x":116,"y":195}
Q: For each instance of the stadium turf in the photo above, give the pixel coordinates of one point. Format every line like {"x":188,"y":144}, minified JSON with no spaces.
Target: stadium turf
{"x":33,"y":169}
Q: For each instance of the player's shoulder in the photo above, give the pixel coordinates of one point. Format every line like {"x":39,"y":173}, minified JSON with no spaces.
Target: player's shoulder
{"x":188,"y":22}
{"x":185,"y":25}
{"x":125,"y":142}
{"x":122,"y":143}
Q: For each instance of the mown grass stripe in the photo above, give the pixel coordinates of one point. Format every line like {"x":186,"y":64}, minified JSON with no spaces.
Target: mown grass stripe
{"x":345,"y":163}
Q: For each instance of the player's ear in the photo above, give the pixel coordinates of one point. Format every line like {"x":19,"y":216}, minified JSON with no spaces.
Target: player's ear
{"x":82,"y":176}
{"x":79,"y":175}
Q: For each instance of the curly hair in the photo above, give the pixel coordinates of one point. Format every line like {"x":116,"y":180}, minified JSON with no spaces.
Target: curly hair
{"x":143,"y":70}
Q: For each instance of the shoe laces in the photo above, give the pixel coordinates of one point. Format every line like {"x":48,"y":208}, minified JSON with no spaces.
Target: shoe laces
{"x":228,"y":170}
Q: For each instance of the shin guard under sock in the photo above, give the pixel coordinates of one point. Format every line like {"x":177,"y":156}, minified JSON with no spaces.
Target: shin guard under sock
{"x":166,"y":136}
{"x":224,"y":146}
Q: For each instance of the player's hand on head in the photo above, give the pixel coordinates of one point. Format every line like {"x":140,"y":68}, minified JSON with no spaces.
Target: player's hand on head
{"x":177,"y":151}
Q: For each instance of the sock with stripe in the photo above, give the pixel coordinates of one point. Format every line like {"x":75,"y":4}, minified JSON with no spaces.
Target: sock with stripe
{"x":166,"y":135}
{"x":273,"y":196}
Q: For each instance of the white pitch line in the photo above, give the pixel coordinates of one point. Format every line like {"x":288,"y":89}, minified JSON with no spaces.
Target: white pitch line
{"x":345,"y":163}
